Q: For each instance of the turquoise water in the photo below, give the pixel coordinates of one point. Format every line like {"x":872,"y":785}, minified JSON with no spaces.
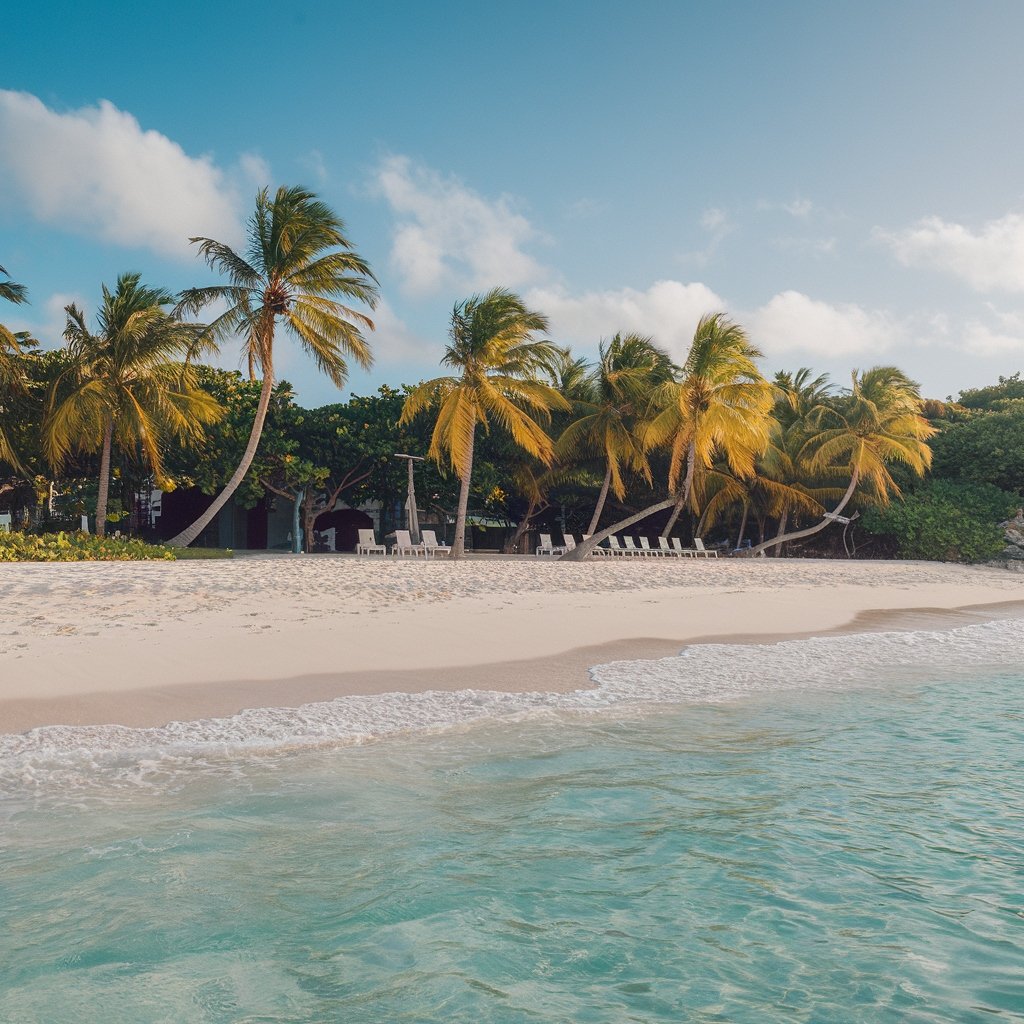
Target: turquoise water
{"x":836,"y":857}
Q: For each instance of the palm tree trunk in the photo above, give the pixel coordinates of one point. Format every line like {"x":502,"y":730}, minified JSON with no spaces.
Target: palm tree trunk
{"x":459,"y":543}
{"x":104,"y":488}
{"x":512,"y":546}
{"x":781,"y":530}
{"x":582,"y":551}
{"x":685,"y":496}
{"x":183,"y":539}
{"x":602,"y":498}
{"x":743,"y":523}
{"x":781,"y":539}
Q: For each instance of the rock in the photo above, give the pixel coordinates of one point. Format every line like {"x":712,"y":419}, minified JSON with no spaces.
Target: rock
{"x":1012,"y":556}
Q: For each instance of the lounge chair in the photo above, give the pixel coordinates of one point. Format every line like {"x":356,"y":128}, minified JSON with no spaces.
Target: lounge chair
{"x":699,"y":549}
{"x":614,"y":547}
{"x":431,"y":546}
{"x":404,"y":546}
{"x":603,"y":552}
{"x":547,"y":548}
{"x":667,"y":550}
{"x":569,"y":541}
{"x":677,"y":546}
{"x":631,"y":548}
{"x":368,"y":544}
{"x":645,"y":547}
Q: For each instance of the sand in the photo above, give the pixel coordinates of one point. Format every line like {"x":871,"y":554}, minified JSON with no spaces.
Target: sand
{"x":144,"y":643}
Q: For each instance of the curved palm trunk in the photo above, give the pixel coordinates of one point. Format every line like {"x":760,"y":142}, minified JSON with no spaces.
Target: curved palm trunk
{"x":691,"y":455}
{"x":459,"y":543}
{"x":602,"y":498}
{"x":582,"y":551}
{"x":189,"y":534}
{"x":104,"y":488}
{"x":743,"y":523}
{"x":512,"y":546}
{"x":811,"y":530}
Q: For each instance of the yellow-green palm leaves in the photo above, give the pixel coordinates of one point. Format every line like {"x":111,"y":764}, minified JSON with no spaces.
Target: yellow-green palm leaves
{"x":609,"y":422}
{"x":493,"y":344}
{"x":127,"y":384}
{"x":297,"y":267}
{"x":11,"y":381}
{"x":720,"y":407}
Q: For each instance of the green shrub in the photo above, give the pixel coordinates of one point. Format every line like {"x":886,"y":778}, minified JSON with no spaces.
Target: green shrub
{"x":76,"y":547}
{"x":946,"y":521}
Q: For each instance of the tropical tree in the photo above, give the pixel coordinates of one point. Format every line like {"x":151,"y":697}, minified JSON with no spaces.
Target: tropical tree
{"x":493,"y":344}
{"x":878,"y":423}
{"x":128,"y":384}
{"x":609,"y":421}
{"x":297,"y":264}
{"x":11,"y":382}
{"x":718,"y":408}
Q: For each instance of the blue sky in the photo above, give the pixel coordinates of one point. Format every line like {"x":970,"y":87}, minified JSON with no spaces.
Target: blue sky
{"x":843,"y":179}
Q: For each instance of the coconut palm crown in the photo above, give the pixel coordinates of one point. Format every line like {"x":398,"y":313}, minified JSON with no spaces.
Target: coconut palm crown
{"x":493,"y":344}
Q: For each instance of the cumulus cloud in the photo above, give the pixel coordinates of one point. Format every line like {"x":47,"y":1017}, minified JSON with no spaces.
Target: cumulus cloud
{"x":991,"y":259}
{"x":394,"y":341}
{"x":794,"y":322}
{"x":668,"y":311}
{"x":97,"y":171}
{"x":45,"y":321}
{"x":449,"y":236}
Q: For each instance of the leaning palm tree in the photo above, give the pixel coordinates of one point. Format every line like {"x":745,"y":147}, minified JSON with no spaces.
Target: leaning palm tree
{"x":297,"y":264}
{"x":11,"y":378}
{"x":128,"y":384}
{"x":610,"y":424}
{"x":499,"y":359}
{"x":878,"y":422}
{"x":720,"y":406}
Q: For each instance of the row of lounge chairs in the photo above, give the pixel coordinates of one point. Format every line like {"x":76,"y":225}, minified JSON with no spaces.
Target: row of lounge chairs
{"x":630,"y":547}
{"x":403,"y":545}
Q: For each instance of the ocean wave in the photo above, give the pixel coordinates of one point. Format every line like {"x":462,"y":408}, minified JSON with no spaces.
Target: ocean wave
{"x":706,"y":673}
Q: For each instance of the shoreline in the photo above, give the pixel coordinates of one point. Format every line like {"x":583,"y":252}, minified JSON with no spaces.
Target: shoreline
{"x":557,"y":671}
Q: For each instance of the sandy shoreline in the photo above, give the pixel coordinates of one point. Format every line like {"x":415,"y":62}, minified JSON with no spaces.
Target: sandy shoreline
{"x":142,"y":644}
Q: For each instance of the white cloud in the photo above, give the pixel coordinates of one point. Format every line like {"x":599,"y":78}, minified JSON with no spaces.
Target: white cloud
{"x":393,"y":341}
{"x":794,"y":322}
{"x":1005,"y":336}
{"x":991,"y":259}
{"x":47,"y":326}
{"x":97,"y":171}
{"x":713,"y":219}
{"x":668,"y":311}
{"x":450,"y":237}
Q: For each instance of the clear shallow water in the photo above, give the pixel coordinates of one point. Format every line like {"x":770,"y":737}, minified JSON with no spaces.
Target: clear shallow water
{"x":805,"y":856}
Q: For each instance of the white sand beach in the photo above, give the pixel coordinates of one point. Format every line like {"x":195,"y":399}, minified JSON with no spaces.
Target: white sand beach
{"x":146,"y":643}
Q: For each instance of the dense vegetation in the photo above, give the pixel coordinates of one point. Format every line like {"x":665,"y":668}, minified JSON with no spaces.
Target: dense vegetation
{"x":521,"y":432}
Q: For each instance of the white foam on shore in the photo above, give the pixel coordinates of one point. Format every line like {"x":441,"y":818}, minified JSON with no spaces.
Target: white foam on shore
{"x":707,"y":673}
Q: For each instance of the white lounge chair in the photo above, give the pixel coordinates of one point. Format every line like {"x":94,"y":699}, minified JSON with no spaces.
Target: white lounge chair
{"x":5,"y":522}
{"x":677,"y":546}
{"x":645,"y":547}
{"x":569,"y":541}
{"x":699,"y":549}
{"x":431,"y":546}
{"x":368,"y":544}
{"x":404,"y":546}
{"x":614,"y":548}
{"x":631,"y":547}
{"x":667,"y":550}
{"x":545,"y":547}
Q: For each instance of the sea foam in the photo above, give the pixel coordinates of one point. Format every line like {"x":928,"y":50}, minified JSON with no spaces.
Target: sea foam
{"x":705,"y":673}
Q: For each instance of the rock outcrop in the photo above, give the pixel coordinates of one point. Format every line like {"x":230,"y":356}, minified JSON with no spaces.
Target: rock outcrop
{"x":1012,"y":556}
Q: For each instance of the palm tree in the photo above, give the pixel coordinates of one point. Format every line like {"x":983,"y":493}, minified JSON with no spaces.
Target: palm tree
{"x":610,"y":423}
{"x":126,"y":384}
{"x":297,"y":263}
{"x":493,"y":345}
{"x":11,"y":380}
{"x":878,"y":422}
{"x":719,"y":407}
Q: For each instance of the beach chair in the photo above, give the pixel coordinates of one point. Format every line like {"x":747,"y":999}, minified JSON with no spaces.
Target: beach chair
{"x":667,"y":550}
{"x":404,"y":546}
{"x":631,"y":548}
{"x":5,"y":522}
{"x":545,"y":547}
{"x":614,"y":548}
{"x":368,"y":544}
{"x":646,"y":549}
{"x":699,"y":549}
{"x":677,"y":546}
{"x":569,"y":541}
{"x":603,"y":552}
{"x":431,"y":546}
